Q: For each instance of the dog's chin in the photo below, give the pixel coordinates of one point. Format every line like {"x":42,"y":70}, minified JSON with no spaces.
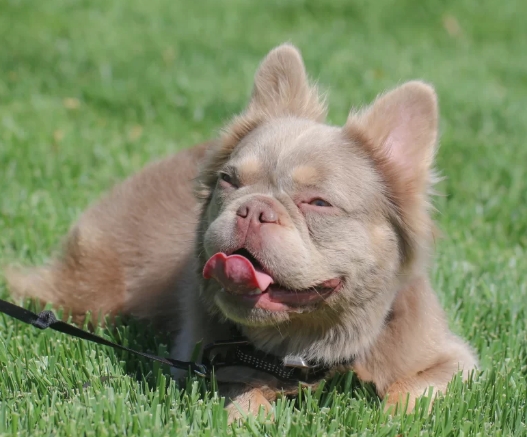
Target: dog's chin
{"x":242,"y":310}
{"x":273,"y":306}
{"x":251,"y":316}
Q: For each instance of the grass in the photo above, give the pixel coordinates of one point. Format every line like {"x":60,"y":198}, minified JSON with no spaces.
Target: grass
{"x":90,"y":91}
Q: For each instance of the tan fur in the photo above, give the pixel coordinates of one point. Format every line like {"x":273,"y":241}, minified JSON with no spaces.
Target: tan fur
{"x":249,"y":171}
{"x":142,"y":248}
{"x":120,"y":255}
{"x":241,"y":400}
{"x":305,"y":175}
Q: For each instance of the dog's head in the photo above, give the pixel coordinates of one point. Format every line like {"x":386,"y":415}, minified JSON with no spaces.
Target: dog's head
{"x":311,"y":224}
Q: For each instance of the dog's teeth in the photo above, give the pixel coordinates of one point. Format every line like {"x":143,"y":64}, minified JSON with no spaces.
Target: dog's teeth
{"x":256,"y":291}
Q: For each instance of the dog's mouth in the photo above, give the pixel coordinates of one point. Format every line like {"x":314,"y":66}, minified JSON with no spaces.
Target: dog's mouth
{"x":244,"y":279}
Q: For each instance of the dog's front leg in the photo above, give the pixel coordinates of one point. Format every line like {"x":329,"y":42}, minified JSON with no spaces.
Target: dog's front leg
{"x":406,"y":390}
{"x":242,"y":399}
{"x":416,"y":351}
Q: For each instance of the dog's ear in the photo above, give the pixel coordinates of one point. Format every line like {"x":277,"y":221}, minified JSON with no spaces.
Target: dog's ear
{"x":281,"y":87}
{"x":399,"y":131}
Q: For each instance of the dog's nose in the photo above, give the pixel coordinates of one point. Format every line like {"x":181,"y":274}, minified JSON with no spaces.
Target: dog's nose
{"x":257,"y":211}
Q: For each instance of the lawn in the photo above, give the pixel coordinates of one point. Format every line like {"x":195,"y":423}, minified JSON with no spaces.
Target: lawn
{"x":91,"y":90}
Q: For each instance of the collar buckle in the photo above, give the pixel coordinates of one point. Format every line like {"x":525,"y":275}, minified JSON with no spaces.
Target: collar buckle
{"x":296,"y":362}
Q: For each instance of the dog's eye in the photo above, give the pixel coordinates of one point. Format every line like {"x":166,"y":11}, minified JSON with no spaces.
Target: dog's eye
{"x":320,"y":202}
{"x":226,"y":179}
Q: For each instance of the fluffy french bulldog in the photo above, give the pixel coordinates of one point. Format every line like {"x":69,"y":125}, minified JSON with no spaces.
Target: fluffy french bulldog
{"x":312,"y":240}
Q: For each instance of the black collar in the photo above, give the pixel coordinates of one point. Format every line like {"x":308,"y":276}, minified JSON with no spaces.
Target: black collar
{"x":240,"y":352}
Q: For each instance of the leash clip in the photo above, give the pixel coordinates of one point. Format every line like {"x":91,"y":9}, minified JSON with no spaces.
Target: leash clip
{"x":44,"y":320}
{"x":200,"y":370}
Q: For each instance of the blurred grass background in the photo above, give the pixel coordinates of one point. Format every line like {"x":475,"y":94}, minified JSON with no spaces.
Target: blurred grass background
{"x":91,"y":90}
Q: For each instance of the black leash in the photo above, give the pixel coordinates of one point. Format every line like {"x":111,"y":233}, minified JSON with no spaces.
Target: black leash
{"x":47,"y":319}
{"x":234,"y":352}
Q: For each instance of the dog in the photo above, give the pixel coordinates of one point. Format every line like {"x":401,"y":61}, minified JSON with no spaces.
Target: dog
{"x":311,"y":240}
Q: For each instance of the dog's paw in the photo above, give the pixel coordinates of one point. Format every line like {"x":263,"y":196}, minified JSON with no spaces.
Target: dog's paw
{"x":241,"y":401}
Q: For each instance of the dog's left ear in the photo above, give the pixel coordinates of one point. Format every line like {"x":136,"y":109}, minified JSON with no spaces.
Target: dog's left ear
{"x":399,"y":132}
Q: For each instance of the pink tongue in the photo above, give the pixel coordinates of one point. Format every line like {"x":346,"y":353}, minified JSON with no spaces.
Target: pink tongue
{"x":235,"y":273}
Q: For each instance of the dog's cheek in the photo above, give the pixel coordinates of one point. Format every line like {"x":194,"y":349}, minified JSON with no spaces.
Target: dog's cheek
{"x":384,"y":246}
{"x":295,"y":261}
{"x":345,"y":244}
{"x":218,"y":235}
{"x":213,"y":208}
{"x":380,"y":253}
{"x":375,"y":276}
{"x":367,"y":255}
{"x":219,"y":219}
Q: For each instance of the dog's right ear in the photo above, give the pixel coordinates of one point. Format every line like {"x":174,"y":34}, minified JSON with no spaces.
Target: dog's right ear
{"x":281,"y":87}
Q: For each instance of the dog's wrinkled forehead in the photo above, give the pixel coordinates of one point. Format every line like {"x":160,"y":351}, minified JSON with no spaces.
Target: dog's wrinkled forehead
{"x":291,"y":154}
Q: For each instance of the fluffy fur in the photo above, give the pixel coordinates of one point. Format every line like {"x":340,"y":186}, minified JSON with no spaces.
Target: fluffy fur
{"x":142,"y":248}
